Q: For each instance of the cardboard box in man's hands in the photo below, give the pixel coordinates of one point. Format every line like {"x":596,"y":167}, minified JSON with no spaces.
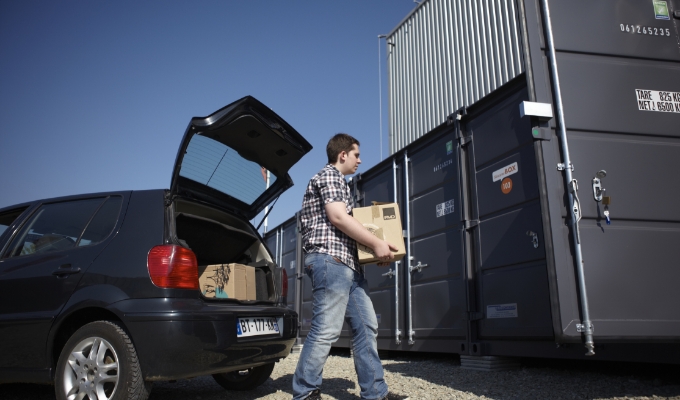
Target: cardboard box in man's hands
{"x":384,"y":221}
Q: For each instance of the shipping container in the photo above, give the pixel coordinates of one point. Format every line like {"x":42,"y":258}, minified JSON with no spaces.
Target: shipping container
{"x":538,"y":199}
{"x":285,"y":244}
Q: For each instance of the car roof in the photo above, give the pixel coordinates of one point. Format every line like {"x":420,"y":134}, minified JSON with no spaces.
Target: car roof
{"x":71,"y":197}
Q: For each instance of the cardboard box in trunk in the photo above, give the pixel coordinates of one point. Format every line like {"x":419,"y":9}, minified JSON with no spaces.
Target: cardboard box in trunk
{"x":384,"y":221}
{"x":227,"y":281}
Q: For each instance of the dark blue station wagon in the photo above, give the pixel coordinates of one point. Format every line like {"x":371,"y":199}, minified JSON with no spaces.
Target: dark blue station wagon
{"x":100,"y":293}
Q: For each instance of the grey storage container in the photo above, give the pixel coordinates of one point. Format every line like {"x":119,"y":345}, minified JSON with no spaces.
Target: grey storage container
{"x":285,"y":243}
{"x":538,"y":199}
{"x":282,"y":241}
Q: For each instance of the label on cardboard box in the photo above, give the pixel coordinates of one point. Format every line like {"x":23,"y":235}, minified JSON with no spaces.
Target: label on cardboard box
{"x":227,"y":281}
{"x":384,"y":221}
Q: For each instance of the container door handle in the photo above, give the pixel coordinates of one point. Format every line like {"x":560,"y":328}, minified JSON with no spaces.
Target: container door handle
{"x":389,"y":273}
{"x":534,"y":238}
{"x":418,"y":267}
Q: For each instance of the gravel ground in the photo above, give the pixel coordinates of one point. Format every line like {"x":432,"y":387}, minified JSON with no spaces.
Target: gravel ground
{"x":434,"y":377}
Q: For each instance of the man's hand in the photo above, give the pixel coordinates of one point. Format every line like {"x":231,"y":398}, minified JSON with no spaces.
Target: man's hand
{"x":383,"y":250}
{"x":388,"y":258}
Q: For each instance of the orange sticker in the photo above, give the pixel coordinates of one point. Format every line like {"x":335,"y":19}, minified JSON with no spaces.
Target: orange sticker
{"x":506,"y":185}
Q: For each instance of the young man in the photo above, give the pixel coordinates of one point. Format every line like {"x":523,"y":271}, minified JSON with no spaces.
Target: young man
{"x":329,"y":235}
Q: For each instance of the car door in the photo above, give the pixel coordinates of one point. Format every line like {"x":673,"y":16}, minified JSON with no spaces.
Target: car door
{"x":40,"y":267}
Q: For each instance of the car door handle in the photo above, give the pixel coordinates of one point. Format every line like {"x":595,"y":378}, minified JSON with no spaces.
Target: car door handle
{"x":65,"y":270}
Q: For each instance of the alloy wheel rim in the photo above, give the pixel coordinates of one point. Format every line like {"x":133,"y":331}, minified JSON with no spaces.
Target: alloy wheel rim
{"x":92,"y":370}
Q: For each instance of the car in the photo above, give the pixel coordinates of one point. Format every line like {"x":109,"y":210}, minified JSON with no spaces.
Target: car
{"x":103,"y":294}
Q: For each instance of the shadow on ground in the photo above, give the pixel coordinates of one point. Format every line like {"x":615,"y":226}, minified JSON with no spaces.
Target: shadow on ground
{"x":563,"y":379}
{"x":21,"y":391}
{"x":536,"y":379}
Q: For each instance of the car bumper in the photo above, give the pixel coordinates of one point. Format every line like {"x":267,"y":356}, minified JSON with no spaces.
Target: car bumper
{"x":184,"y":338}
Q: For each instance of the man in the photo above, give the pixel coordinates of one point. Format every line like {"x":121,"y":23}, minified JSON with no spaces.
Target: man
{"x":329,"y":235}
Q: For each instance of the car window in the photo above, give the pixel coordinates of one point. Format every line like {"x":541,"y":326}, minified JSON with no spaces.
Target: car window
{"x":54,"y":227}
{"x":222,"y":168}
{"x":7,"y":218}
{"x":103,"y":222}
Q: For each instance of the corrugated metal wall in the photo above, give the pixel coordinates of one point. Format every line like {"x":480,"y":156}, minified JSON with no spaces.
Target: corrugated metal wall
{"x":445,"y":55}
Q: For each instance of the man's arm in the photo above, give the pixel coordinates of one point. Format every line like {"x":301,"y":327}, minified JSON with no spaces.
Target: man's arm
{"x":338,"y":216}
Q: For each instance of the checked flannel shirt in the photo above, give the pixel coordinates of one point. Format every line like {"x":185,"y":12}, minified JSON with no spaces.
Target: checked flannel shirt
{"x":319,"y":235}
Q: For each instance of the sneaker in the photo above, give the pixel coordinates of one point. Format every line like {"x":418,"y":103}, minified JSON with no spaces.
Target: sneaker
{"x":394,"y":396}
{"x":314,"y":395}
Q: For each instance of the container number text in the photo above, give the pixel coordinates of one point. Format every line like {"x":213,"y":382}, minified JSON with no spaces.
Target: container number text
{"x":645,"y":30}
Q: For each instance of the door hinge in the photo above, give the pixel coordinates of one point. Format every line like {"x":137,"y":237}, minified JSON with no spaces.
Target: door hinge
{"x":562,"y":167}
{"x":471,"y":223}
{"x":169,"y":199}
{"x":539,"y":133}
{"x":456,"y":116}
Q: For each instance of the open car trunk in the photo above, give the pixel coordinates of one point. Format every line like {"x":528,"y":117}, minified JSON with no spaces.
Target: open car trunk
{"x":231,"y":257}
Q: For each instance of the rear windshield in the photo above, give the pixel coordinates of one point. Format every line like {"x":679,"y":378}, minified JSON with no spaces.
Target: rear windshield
{"x":222,"y":168}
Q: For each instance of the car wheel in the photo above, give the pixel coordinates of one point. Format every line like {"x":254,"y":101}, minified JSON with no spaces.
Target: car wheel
{"x":246,"y":379}
{"x":99,"y":362}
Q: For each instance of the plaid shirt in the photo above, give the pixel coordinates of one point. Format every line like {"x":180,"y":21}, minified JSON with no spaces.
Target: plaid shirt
{"x":319,"y":235}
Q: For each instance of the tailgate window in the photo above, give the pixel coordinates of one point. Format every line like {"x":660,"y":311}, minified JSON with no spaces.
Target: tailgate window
{"x":222,"y":168}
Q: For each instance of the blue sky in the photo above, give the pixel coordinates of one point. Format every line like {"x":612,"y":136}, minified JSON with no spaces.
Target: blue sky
{"x":96,"y":95}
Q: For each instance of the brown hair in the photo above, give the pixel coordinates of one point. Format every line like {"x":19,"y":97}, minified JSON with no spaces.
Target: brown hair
{"x":339,"y":143}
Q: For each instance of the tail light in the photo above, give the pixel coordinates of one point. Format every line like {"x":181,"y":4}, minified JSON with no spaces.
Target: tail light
{"x":173,"y":267}
{"x":284,"y":283}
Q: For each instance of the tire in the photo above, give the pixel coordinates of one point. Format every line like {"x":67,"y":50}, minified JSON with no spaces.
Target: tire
{"x":113,"y":373}
{"x":247,"y":379}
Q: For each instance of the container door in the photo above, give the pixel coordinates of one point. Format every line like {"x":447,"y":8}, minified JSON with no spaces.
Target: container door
{"x":305,"y":315}
{"x":303,"y":291}
{"x":288,"y":246}
{"x":621,"y":96}
{"x":271,"y":240}
{"x":378,"y":184}
{"x":512,"y":298}
{"x":438,"y":315}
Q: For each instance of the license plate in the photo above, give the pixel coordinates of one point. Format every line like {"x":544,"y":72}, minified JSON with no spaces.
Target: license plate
{"x":256,"y":326}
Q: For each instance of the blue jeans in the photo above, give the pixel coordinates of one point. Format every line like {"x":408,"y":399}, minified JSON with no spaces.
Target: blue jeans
{"x":339,"y":293}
